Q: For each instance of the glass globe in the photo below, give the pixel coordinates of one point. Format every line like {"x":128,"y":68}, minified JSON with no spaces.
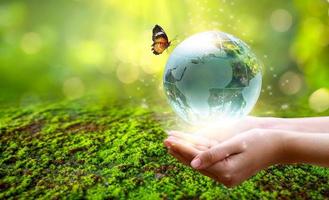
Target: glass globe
{"x":212,"y":76}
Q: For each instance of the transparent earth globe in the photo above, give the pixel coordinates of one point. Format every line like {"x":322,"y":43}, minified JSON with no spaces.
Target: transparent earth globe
{"x":212,"y":76}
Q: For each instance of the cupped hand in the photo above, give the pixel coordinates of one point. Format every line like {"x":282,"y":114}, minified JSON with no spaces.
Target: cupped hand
{"x":210,"y":136}
{"x":229,"y":161}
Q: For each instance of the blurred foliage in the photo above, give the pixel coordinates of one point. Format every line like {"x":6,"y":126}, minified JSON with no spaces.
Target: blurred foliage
{"x":67,"y":49}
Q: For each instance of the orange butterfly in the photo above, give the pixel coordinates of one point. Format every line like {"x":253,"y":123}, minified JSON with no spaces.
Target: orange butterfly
{"x":160,"y":40}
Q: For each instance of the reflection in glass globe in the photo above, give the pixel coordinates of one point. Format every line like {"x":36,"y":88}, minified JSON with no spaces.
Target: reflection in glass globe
{"x":212,"y":76}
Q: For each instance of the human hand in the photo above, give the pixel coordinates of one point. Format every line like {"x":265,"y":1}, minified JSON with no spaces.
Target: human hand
{"x":209,"y":136}
{"x":233,"y":160}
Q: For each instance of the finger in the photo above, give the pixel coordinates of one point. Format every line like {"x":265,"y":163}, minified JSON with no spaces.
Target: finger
{"x":233,"y":170}
{"x":180,"y":143}
{"x":182,"y":147}
{"x":209,"y":174}
{"x":242,"y":167}
{"x":217,"y":153}
{"x":220,"y":171}
{"x":179,"y":157}
{"x":225,"y":171}
{"x":199,"y":147}
{"x":197,"y":140}
{"x":186,"y":162}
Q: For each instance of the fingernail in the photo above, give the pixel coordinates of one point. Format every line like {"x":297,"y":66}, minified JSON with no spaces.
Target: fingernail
{"x":196,"y":163}
{"x":167,"y":144}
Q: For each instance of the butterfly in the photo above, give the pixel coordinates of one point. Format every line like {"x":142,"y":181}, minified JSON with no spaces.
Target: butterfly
{"x":160,"y":40}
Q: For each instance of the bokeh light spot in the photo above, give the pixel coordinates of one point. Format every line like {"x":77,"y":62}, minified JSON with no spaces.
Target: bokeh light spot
{"x":73,"y":88}
{"x":281,"y":20}
{"x":89,"y":53}
{"x":284,"y":106}
{"x":319,"y":100}
{"x":127,"y":74}
{"x":31,"y":43}
{"x":290,"y":83}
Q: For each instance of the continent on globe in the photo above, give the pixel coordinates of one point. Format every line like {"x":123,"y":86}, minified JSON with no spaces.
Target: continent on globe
{"x":232,"y":98}
{"x":173,"y":92}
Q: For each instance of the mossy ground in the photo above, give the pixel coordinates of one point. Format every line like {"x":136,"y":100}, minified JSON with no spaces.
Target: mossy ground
{"x":81,"y":149}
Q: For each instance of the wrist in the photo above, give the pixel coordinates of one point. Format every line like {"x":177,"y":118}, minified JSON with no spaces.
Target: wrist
{"x":287,"y":153}
{"x":296,"y":147}
{"x":278,"y":147}
{"x":268,"y":122}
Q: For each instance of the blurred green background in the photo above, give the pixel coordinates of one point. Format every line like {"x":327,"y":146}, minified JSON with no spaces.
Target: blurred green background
{"x":52,"y":50}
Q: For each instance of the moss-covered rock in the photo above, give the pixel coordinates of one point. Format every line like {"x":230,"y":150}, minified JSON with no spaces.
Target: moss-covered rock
{"x":83,"y":149}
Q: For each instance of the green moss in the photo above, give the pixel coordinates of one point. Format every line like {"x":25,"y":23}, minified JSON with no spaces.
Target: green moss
{"x":83,"y":149}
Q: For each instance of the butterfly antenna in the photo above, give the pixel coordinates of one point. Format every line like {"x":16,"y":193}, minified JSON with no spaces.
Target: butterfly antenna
{"x":173,"y":40}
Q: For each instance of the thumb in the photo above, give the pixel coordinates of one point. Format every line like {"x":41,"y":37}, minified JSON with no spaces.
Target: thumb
{"x":216,"y":153}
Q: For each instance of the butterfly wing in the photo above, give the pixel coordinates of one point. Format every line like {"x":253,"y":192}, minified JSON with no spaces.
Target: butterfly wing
{"x":158,"y":32}
{"x":160,"y":40}
{"x":159,"y":45}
